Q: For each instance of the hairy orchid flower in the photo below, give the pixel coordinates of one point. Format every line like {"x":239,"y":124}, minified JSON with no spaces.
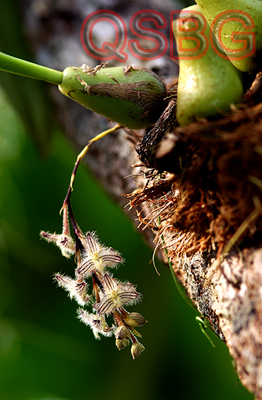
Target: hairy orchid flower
{"x":77,"y":289}
{"x":96,"y":257}
{"x":116,"y":294}
{"x":96,"y":322}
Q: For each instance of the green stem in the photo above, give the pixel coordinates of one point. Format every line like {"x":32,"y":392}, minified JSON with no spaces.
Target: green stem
{"x":203,"y":324}
{"x":29,"y":69}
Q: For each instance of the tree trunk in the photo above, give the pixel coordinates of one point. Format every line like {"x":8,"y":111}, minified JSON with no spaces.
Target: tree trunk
{"x":225,"y":286}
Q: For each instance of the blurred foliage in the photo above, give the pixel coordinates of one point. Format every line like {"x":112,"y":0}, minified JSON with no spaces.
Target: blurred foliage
{"x":45,"y":352}
{"x":34,"y":108}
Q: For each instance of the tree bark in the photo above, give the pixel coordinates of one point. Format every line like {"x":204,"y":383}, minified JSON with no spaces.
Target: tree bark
{"x":228,"y":290}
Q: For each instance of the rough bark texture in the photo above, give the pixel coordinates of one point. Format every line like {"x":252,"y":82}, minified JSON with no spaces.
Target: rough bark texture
{"x":230,"y":296}
{"x":228,"y":293}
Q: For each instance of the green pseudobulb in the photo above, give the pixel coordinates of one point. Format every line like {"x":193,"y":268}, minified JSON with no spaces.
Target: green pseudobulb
{"x":239,"y":25}
{"x":208,"y":84}
{"x":132,"y":96}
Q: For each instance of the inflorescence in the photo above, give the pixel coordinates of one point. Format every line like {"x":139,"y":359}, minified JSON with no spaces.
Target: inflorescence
{"x":108,"y":296}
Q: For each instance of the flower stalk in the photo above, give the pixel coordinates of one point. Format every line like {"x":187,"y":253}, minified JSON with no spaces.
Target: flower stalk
{"x":28,"y":69}
{"x":108,"y":295}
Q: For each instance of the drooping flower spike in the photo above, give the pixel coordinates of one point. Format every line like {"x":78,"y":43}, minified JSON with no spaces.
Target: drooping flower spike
{"x":108,"y":295}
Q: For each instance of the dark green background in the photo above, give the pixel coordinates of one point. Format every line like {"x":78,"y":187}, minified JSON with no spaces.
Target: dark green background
{"x":45,"y":352}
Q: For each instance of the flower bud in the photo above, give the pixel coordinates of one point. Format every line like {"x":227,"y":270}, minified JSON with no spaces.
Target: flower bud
{"x":132,"y":96}
{"x":137,"y":349}
{"x":135,"y":319}
{"x":122,"y":332}
{"x":120,"y":344}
